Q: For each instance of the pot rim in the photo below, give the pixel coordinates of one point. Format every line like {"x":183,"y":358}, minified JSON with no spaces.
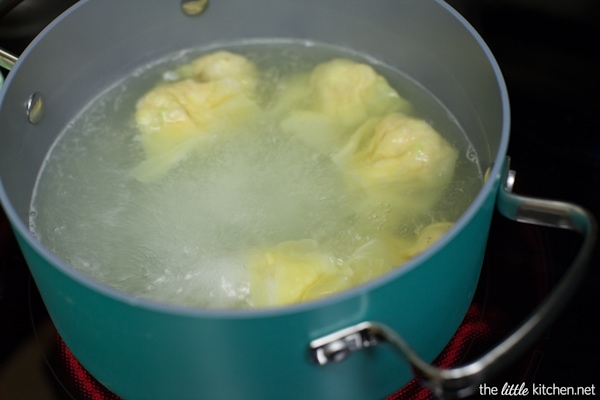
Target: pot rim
{"x":489,"y":187}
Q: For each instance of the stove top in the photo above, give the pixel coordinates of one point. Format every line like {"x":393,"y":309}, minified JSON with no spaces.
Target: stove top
{"x":549,"y":57}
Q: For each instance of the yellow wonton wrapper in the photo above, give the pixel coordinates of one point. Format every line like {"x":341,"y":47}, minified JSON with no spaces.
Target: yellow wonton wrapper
{"x":222,"y":65}
{"x":283,"y":274}
{"x":301,"y":270}
{"x":334,"y":99}
{"x":174,"y":118}
{"x":399,"y":161}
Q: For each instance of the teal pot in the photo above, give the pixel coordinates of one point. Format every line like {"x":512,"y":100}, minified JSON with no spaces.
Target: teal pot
{"x":143,"y":350}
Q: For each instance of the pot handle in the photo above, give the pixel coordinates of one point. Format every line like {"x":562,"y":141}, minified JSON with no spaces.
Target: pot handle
{"x":7,"y":60}
{"x":464,"y":381}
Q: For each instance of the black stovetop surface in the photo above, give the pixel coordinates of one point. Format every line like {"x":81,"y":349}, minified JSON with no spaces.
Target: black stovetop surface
{"x":550,"y":57}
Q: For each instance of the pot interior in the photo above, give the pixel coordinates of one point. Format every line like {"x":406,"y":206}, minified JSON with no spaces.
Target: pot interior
{"x":76,"y":58}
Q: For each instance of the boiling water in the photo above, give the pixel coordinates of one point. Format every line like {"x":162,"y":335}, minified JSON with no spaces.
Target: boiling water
{"x":181,"y":239}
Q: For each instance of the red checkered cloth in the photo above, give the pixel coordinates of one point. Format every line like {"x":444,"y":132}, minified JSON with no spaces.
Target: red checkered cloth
{"x":474,"y":330}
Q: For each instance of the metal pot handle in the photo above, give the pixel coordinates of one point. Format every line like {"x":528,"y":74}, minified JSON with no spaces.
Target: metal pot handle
{"x":7,"y":60}
{"x":464,"y":381}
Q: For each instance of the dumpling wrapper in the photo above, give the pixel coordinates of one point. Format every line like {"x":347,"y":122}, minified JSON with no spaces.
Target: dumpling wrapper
{"x":222,"y":65}
{"x":173,"y":119}
{"x":399,"y":161}
{"x":428,"y":236}
{"x":350,"y":92}
{"x":337,"y":97}
{"x":301,"y":270}
{"x":292,"y":271}
{"x":389,"y":251}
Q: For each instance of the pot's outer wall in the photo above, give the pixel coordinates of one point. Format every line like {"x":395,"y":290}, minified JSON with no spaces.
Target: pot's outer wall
{"x":143,"y":350}
{"x":141,"y":353}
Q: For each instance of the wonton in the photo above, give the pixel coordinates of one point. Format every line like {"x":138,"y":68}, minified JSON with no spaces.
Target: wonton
{"x":398,"y":160}
{"x":221,"y":65}
{"x":334,"y":99}
{"x":174,"y":118}
{"x":285,"y":273}
{"x":302,"y":270}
